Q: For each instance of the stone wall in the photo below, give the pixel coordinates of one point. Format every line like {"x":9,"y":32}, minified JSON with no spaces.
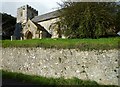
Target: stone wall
{"x":100,"y":66}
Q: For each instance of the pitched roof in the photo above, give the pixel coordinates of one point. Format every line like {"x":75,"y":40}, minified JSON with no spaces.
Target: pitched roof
{"x":46,"y":16}
{"x":41,"y":28}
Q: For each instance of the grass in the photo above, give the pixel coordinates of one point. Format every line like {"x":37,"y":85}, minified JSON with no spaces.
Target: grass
{"x":82,"y":44}
{"x":51,"y":81}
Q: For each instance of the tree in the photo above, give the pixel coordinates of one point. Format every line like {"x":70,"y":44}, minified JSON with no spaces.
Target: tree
{"x":117,"y":22}
{"x":8,"y":25}
{"x":88,"y":19}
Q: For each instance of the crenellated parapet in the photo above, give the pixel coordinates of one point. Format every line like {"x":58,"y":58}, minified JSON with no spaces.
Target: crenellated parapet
{"x":34,"y":10}
{"x":25,"y":12}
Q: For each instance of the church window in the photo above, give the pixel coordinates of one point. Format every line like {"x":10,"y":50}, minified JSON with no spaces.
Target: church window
{"x":28,"y":25}
{"x":37,"y":32}
{"x":21,"y":14}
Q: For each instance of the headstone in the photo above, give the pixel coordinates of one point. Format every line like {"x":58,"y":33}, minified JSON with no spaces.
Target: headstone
{"x":13,"y":38}
{"x":40,"y":34}
{"x":21,"y":38}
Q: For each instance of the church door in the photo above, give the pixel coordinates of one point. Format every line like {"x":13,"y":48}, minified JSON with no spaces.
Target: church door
{"x":28,"y":35}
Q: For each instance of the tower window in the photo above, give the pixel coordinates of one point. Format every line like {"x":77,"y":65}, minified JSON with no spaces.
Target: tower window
{"x":23,"y":8}
{"x":21,"y":14}
{"x":32,"y":15}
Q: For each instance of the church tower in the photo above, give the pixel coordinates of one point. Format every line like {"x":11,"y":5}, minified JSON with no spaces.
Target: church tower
{"x":23,"y":14}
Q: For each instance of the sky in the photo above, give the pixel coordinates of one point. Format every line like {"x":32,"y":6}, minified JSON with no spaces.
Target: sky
{"x":43,"y":6}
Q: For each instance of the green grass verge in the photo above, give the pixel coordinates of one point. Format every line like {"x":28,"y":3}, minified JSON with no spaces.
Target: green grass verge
{"x":82,"y":44}
{"x":51,"y":81}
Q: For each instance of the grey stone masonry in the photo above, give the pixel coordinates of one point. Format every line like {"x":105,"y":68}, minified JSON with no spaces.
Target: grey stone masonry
{"x":24,"y":13}
{"x":98,"y":65}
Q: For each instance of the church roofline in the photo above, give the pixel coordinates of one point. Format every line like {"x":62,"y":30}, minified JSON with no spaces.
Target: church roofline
{"x":47,"y":16}
{"x":29,"y":7}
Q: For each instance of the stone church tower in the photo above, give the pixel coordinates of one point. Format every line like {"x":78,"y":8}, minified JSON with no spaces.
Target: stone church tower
{"x":23,"y":14}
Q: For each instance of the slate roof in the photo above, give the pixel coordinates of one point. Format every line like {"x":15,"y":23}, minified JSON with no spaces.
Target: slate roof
{"x":42,"y":28}
{"x":46,"y":16}
{"x":39,"y":26}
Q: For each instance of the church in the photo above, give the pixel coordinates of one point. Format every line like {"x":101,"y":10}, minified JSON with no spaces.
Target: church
{"x":31,"y":26}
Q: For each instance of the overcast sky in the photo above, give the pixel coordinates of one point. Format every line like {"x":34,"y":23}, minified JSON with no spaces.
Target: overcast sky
{"x":43,"y":6}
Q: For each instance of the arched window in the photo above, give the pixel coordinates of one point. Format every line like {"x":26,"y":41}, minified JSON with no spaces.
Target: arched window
{"x":21,"y":14}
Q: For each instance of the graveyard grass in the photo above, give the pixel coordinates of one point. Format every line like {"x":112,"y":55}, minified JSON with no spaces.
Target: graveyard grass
{"x":81,"y":44}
